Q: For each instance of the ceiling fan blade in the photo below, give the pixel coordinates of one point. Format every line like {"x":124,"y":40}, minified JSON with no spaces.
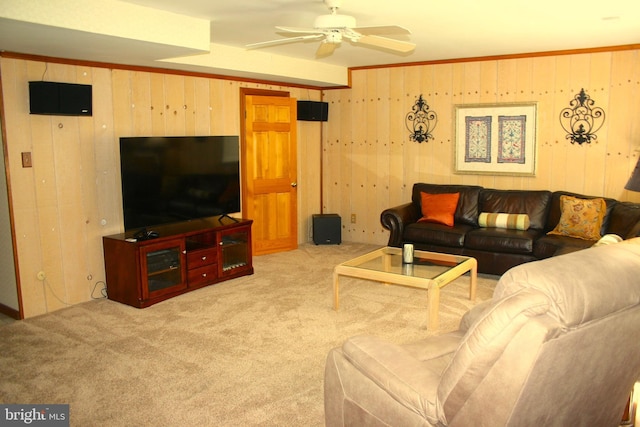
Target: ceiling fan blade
{"x":283,"y":41}
{"x":325,"y":49}
{"x":386,"y":43}
{"x":386,"y":29}
{"x":299,"y":30}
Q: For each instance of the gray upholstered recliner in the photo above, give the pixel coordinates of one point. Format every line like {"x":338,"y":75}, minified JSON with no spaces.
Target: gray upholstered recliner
{"x":558,"y":345}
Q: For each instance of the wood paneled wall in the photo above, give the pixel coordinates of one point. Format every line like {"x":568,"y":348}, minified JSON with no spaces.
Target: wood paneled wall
{"x":71,"y":196}
{"x":370,"y":164}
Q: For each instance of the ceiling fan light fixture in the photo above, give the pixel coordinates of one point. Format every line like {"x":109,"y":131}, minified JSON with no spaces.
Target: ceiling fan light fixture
{"x":325,"y":49}
{"x":334,"y":21}
{"x":333,"y":37}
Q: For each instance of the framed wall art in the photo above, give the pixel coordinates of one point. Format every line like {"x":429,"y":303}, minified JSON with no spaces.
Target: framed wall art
{"x":496,"y":139}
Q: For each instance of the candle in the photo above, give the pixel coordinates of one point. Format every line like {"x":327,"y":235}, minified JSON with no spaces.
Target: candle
{"x":407,"y":253}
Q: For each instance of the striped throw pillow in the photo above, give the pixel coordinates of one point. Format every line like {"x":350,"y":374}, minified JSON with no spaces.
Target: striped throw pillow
{"x":504,"y":220}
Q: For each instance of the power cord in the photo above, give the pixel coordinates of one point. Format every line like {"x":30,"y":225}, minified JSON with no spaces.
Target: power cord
{"x":103,"y":291}
{"x":46,"y":283}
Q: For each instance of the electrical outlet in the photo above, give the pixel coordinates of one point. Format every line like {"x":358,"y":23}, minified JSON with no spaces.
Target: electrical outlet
{"x":26,"y":159}
{"x":353,"y":218}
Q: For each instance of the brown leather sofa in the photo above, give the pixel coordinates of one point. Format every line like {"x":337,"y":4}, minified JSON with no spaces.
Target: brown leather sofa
{"x":499,"y":249}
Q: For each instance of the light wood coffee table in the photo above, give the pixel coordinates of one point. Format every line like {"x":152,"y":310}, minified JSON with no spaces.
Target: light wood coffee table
{"x":430,"y":271}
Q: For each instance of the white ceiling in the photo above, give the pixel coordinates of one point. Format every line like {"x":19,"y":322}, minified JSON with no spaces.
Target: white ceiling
{"x":441,"y":29}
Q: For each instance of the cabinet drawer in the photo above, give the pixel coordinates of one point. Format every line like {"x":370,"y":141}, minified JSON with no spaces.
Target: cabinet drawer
{"x":202,"y":275}
{"x":201,"y":257}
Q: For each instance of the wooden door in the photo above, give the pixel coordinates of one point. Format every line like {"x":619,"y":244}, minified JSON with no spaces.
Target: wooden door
{"x":270,"y":172}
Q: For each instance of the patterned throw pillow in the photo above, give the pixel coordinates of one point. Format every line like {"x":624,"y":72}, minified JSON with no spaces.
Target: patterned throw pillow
{"x":439,"y":208}
{"x":581,"y":218}
{"x":504,"y":220}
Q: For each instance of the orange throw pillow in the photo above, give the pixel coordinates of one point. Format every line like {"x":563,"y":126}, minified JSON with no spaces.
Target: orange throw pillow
{"x":439,"y":208}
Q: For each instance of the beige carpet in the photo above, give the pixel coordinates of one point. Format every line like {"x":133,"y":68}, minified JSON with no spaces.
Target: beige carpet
{"x":250,"y":351}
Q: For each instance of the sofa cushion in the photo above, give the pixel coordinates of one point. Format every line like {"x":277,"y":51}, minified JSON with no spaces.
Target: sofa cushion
{"x":502,"y":240}
{"x":533,"y":203}
{"x":408,"y":380}
{"x":553,"y":244}
{"x":467,"y":210}
{"x":436,"y":234}
{"x":504,"y":220}
{"x":438,"y":208}
{"x":580,"y":218}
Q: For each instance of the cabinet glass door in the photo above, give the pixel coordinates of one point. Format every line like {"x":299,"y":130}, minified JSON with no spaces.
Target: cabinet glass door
{"x":163,"y":268}
{"x":234,"y":251}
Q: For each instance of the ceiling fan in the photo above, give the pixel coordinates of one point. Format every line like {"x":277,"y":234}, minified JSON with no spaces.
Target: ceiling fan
{"x":331,"y":29}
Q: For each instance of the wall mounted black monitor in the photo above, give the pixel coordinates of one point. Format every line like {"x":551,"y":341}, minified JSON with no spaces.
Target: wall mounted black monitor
{"x":172,"y":179}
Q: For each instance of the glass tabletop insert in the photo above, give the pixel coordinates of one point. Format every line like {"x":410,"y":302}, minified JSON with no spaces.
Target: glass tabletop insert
{"x":390,"y":260}
{"x":429,"y":270}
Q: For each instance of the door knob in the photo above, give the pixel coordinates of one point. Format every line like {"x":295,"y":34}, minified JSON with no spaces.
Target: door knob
{"x":294,"y":184}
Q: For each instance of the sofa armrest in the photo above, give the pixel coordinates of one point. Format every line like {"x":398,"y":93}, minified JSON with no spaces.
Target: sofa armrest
{"x":624,"y":220}
{"x":396,"y":219}
{"x":474,"y":313}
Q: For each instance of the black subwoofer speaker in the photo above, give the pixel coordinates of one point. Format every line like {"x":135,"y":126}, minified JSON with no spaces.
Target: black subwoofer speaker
{"x":327,"y":229}
{"x":313,"y":111}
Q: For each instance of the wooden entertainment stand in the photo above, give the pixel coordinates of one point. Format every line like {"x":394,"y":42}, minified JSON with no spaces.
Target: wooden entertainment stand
{"x":184,"y":256}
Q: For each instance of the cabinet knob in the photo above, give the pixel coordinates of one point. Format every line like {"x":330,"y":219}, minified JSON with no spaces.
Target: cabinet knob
{"x":294,"y":184}
{"x":184,"y":252}
{"x":204,"y":274}
{"x":204,"y":258}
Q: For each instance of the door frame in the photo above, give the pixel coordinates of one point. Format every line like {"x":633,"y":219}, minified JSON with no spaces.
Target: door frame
{"x":4,"y":309}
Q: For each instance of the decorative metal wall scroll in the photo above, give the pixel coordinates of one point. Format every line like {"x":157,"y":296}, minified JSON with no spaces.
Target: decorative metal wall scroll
{"x":581,"y":120}
{"x":421,"y":121}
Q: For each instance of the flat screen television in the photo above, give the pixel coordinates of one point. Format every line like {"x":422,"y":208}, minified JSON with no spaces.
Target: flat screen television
{"x":178,"y":178}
